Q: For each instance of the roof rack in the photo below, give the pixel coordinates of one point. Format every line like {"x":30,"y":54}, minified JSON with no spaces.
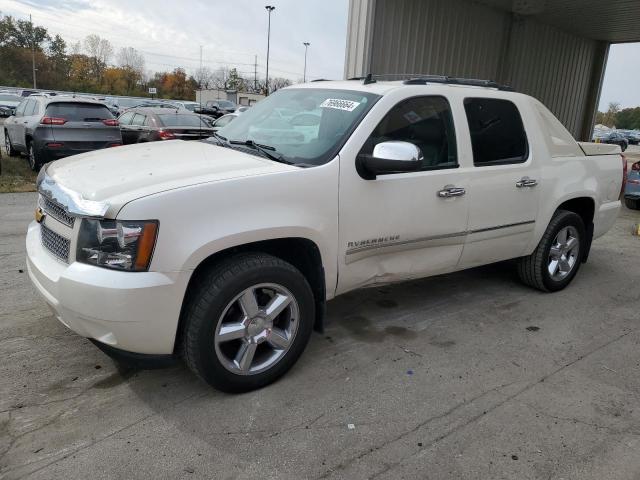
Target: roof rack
{"x":473,"y":82}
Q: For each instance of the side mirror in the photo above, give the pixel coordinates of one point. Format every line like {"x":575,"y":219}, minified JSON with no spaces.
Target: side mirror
{"x":389,"y":157}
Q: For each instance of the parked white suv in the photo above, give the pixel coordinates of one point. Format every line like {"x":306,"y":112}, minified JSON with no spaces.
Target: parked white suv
{"x":225,"y":251}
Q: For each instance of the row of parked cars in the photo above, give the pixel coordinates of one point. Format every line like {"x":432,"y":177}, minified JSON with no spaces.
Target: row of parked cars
{"x":623,"y":138}
{"x":48,"y":127}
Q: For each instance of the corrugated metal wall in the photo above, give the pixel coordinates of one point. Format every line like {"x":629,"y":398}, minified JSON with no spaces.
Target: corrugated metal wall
{"x":553,"y":66}
{"x":437,"y":37}
{"x":467,"y":39}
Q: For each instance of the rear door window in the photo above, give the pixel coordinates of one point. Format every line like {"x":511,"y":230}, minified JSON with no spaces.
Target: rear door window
{"x":125,"y":119}
{"x":177,"y":120}
{"x":78,"y":112}
{"x":138,"y":119}
{"x":497,"y":132}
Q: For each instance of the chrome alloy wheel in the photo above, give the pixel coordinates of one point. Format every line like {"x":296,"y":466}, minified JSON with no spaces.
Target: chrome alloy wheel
{"x":256,"y":329}
{"x":564,"y":253}
{"x":32,"y":157}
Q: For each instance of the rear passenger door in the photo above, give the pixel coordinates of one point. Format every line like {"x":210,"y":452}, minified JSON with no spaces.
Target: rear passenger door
{"x":125,"y":128}
{"x":14,"y":126}
{"x":503,"y":193}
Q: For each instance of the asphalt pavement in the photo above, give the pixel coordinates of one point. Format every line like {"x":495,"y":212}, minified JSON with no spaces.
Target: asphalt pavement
{"x":463,"y":376}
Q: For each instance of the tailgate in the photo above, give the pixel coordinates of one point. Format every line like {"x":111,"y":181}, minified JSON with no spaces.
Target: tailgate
{"x":591,"y":149}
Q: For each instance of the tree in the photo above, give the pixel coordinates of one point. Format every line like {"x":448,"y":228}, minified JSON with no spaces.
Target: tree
{"x":99,"y":51}
{"x":609,"y":118}
{"x":204,"y":78}
{"x":132,"y":63}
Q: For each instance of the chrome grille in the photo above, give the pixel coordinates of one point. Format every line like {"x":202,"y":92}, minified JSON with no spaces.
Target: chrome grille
{"x":56,"y":211}
{"x":56,"y":244}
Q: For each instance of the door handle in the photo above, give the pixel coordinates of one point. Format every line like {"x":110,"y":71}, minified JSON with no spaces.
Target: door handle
{"x":526,"y":182}
{"x":451,"y":191}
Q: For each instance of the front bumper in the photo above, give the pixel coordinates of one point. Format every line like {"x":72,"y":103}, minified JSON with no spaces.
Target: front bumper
{"x":131,"y":311}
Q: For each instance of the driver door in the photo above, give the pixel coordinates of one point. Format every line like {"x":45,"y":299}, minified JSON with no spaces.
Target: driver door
{"x":400,"y":226}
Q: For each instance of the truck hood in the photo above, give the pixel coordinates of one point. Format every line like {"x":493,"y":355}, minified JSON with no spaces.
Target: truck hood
{"x":116,"y":176}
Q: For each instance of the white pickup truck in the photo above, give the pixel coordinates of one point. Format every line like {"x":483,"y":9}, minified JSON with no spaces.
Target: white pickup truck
{"x":225,"y":251}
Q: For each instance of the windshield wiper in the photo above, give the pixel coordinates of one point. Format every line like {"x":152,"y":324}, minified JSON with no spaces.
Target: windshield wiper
{"x":221,"y":140}
{"x":266,"y":150}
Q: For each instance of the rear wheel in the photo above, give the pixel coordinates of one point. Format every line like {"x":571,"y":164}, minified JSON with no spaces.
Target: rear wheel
{"x":247,"y":322}
{"x":556,"y":260}
{"x":7,"y":145}
{"x":632,"y":203}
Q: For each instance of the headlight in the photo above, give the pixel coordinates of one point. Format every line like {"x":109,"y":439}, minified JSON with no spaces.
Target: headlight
{"x":117,"y":244}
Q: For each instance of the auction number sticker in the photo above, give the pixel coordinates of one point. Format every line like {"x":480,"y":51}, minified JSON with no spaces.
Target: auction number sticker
{"x":339,"y":104}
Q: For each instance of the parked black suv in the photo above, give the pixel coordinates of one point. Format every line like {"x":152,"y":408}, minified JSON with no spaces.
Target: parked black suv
{"x":152,"y":124}
{"x":48,"y":128}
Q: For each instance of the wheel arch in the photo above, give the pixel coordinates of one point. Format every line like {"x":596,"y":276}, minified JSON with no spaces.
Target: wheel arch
{"x":302,"y":253}
{"x":585,"y":207}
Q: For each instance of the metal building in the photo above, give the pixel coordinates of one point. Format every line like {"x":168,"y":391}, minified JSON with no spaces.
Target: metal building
{"x":555,"y":50}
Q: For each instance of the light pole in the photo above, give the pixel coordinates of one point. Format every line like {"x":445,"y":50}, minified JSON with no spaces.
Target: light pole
{"x":306,"y":47}
{"x":269,"y":9}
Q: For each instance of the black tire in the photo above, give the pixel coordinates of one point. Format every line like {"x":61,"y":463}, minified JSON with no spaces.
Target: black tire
{"x":210,"y":296}
{"x":632,"y":203}
{"x":33,"y":157}
{"x":11,"y":152}
{"x":533,"y":269}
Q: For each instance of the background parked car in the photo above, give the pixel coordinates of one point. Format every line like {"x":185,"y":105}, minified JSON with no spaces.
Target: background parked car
{"x":151,"y":124}
{"x":632,"y":187}
{"x":224,"y":120}
{"x":217,"y":108}
{"x":8,"y":104}
{"x":48,"y":128}
{"x":613,"y":137}
{"x":632,"y":136}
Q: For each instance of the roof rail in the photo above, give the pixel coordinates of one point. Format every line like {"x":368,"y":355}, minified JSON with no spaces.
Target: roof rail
{"x":473,"y":82}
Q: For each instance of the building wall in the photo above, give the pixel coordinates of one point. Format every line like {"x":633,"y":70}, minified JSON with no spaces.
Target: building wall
{"x":240,"y":98}
{"x":468,"y":39}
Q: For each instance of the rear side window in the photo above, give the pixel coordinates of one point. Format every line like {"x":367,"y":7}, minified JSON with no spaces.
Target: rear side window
{"x":21,"y":107}
{"x":177,"y":120}
{"x":497,"y":132}
{"x":78,"y":112}
{"x":29,"y":109}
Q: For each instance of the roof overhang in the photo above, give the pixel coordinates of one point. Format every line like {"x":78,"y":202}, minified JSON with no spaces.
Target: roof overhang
{"x":614,"y":21}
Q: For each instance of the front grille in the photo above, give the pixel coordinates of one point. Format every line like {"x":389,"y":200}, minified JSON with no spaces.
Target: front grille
{"x":56,"y":244}
{"x":57,"y":212}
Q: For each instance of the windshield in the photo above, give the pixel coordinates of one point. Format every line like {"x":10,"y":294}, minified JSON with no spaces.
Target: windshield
{"x":303,"y":125}
{"x":191,"y":106}
{"x":226,"y":104}
{"x":180,"y":120}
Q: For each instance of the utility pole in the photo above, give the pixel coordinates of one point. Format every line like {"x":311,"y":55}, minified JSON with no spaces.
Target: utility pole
{"x":255,"y":74}
{"x":269,"y":9}
{"x":306,"y":47}
{"x":33,"y":52}
{"x":201,"y":74}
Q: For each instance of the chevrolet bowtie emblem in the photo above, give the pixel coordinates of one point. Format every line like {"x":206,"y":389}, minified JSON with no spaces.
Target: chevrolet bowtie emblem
{"x":39,"y":215}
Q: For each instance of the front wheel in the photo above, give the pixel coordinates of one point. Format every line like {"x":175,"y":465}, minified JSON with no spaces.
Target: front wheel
{"x":11,"y":152}
{"x":247,"y":322}
{"x":556,"y":260}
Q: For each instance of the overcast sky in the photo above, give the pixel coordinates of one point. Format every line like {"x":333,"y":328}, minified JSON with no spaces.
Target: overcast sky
{"x":170,"y":33}
{"x":622,"y":76}
{"x":232,"y":32}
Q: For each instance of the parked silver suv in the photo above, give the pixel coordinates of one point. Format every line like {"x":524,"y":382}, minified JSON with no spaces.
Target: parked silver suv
{"x":48,"y":128}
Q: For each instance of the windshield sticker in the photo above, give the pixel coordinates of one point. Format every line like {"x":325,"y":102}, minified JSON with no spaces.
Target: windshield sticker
{"x":339,"y":104}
